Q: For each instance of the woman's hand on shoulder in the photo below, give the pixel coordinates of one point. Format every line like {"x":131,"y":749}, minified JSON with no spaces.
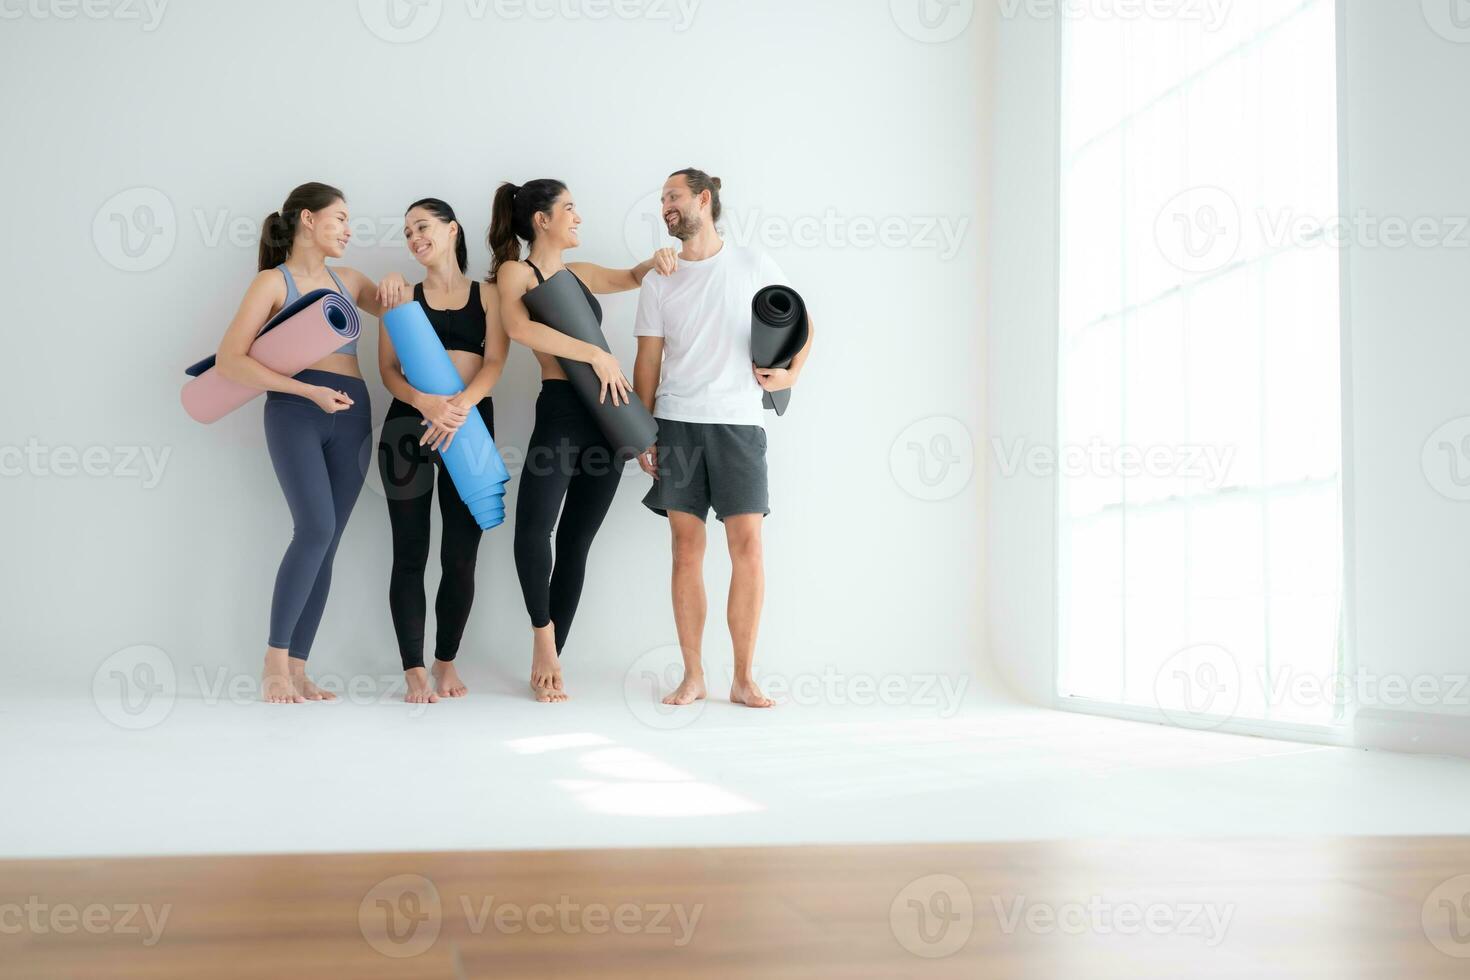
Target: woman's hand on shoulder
{"x":394,"y":290}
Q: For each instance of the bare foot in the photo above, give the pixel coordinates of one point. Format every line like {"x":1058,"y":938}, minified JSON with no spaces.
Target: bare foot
{"x":304,"y":686}
{"x":419,"y":691}
{"x":275,"y":680}
{"x":546,"y":666}
{"x":745,"y":692}
{"x":446,"y":680}
{"x":690,"y":690}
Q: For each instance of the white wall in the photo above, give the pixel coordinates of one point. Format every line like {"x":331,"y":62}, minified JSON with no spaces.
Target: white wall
{"x":816,"y":115}
{"x":1403,"y":342}
{"x":1405,"y":72}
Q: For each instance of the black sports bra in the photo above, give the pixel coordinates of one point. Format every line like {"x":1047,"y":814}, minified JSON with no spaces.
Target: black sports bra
{"x":461,"y":329}
{"x":591,"y":299}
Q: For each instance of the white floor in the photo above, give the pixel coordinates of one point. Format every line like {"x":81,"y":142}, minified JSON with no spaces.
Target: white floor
{"x":497,"y":771}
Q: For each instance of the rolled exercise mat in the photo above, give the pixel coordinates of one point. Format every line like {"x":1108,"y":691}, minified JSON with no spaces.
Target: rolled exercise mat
{"x":778,"y":332}
{"x":473,"y":462}
{"x":560,"y":304}
{"x":295,"y":338}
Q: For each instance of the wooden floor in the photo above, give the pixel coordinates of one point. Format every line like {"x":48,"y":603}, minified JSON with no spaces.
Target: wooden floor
{"x":1340,"y":909}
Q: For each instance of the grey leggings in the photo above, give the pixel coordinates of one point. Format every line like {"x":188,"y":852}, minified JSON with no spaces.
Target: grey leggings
{"x":321,"y":461}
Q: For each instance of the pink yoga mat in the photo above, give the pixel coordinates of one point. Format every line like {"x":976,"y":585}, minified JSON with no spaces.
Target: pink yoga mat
{"x":287,"y":346}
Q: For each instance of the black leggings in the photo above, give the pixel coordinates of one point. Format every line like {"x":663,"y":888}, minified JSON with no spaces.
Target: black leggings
{"x":567,"y":459}
{"x":407,"y":470}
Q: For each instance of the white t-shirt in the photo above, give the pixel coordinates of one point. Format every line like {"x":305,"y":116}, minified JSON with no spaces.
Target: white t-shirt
{"x":702,"y":312}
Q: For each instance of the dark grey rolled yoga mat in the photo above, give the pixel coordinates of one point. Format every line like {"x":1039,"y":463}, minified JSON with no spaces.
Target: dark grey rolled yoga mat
{"x":778,"y":332}
{"x":560,"y":303}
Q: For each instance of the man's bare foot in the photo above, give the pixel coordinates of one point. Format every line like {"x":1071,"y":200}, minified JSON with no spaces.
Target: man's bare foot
{"x":275,"y":680}
{"x":690,"y":690}
{"x":446,"y":680}
{"x":546,"y":666}
{"x":419,"y":691}
{"x":304,"y":686}
{"x":744,"y":691}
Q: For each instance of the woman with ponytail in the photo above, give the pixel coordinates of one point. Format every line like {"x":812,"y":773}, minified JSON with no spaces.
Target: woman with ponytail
{"x":318,"y":426}
{"x":569,"y":469}
{"x":465,"y":316}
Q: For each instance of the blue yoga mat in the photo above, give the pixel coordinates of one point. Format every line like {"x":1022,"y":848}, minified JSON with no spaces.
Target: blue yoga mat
{"x":474,"y":464}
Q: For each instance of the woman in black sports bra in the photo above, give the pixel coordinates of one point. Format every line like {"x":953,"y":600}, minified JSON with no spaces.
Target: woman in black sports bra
{"x":466,"y":317}
{"x":569,"y":471}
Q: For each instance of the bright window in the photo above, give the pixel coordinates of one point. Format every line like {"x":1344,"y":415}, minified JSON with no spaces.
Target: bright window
{"x":1200,"y":443}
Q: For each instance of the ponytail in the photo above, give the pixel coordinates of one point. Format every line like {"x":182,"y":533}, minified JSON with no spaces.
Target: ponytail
{"x":278,"y":231}
{"x":510,"y":218}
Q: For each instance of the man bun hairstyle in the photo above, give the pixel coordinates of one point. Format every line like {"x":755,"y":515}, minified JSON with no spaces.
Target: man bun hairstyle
{"x":699,"y":182}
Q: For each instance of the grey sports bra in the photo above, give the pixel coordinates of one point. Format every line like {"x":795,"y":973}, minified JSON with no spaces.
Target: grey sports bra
{"x":293,"y":294}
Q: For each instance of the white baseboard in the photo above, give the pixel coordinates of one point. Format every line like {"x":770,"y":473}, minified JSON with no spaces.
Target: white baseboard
{"x":1412,"y":731}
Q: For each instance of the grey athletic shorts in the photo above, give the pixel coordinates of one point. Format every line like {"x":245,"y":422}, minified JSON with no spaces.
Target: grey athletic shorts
{"x":705,"y":464}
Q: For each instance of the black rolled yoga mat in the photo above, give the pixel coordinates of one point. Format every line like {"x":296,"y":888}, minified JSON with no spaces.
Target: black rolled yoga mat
{"x":778,"y":332}
{"x":560,"y":303}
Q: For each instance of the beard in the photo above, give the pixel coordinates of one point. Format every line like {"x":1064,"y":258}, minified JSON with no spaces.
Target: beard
{"x":685,"y":226}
